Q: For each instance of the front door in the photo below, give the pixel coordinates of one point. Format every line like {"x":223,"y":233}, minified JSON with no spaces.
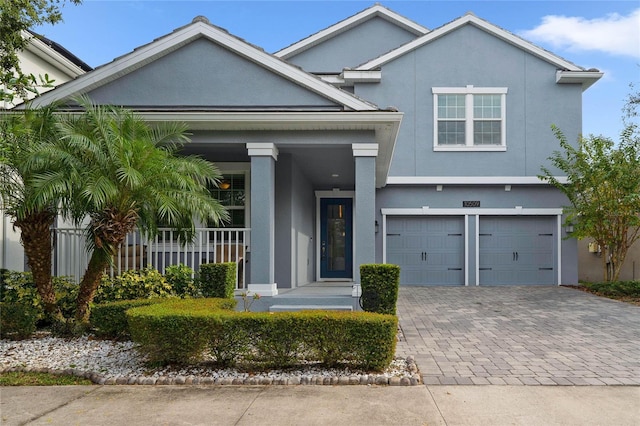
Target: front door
{"x":336,"y":238}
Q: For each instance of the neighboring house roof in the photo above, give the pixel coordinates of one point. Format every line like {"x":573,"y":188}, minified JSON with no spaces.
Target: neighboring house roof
{"x":59,"y":49}
{"x":200,"y":27}
{"x":566,"y":68}
{"x":351,"y":22}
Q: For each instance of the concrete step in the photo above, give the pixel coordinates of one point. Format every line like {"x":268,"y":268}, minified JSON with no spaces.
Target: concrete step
{"x":291,"y":308}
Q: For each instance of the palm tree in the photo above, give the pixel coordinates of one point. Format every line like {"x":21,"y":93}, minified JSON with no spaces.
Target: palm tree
{"x":124,"y":173}
{"x":21,"y":135}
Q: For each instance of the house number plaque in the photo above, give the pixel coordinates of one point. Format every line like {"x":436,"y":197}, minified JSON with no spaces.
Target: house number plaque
{"x":471,"y":204}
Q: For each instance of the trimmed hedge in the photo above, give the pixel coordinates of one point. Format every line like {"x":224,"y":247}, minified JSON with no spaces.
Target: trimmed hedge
{"x":109,"y":320}
{"x":217,"y":279}
{"x":186,"y":332}
{"x":380,"y":283}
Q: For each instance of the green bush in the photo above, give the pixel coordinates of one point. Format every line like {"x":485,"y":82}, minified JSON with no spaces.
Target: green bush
{"x":18,"y":319}
{"x":380,"y":283}
{"x":615,"y":288}
{"x":109,"y":320}
{"x":180,"y":278}
{"x":217,"y":279}
{"x":176,"y":331}
{"x":185,"y":331}
{"x":19,"y":287}
{"x":146,"y":283}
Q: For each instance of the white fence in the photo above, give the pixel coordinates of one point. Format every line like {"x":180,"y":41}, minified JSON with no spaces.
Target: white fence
{"x":210,"y":245}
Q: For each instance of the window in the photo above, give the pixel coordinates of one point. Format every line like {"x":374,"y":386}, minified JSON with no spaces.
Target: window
{"x":469,"y":118}
{"x":231,"y":194}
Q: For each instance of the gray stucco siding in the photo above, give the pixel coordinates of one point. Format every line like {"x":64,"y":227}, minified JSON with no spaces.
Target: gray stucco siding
{"x":203,"y":73}
{"x":470,"y":56}
{"x":353,"y":47}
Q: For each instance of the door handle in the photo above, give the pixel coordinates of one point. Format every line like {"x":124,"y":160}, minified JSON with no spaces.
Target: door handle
{"x":517,"y":256}
{"x":323,"y":250}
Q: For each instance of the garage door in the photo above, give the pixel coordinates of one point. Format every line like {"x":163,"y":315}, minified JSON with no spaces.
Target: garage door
{"x":518,"y":250}
{"x":430,"y":251}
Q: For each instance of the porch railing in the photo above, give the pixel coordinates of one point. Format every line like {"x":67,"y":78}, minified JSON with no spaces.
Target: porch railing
{"x":210,"y":245}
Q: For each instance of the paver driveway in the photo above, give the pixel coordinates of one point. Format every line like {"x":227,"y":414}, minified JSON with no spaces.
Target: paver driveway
{"x":519,"y":335}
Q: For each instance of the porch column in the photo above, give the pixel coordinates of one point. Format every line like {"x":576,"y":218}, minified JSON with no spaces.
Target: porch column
{"x":262,"y":263}
{"x":364,"y":209}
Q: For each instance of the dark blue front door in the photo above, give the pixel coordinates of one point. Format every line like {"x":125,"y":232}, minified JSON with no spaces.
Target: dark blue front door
{"x":336,"y":238}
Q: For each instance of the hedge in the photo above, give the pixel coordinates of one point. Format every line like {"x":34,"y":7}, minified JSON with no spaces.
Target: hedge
{"x":217,"y":279}
{"x":198,"y":329}
{"x":109,"y":320}
{"x":380,"y":283}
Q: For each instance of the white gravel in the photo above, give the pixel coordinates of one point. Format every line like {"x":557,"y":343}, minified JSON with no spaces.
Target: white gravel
{"x":110,"y":362}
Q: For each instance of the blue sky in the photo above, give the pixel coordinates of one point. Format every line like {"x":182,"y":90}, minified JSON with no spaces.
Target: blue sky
{"x":592,"y":34}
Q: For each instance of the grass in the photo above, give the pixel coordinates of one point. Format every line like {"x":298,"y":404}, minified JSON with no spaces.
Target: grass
{"x":18,"y":378}
{"x":624,"y":291}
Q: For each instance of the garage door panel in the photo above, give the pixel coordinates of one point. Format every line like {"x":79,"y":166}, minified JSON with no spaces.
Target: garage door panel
{"x":517,"y":250}
{"x":429,"y":250}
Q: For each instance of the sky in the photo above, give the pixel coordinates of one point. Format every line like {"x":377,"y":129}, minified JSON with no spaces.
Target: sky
{"x":590,"y":33}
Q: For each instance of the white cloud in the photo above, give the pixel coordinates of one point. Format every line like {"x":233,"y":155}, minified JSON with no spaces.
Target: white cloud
{"x":614,"y":34}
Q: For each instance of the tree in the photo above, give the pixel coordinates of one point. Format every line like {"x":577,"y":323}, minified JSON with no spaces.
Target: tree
{"x":22,"y":134}
{"x":16,"y":17}
{"x":604,"y":191}
{"x":121,"y":172}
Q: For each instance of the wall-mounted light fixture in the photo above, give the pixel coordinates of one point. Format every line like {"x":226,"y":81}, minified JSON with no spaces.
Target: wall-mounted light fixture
{"x":377,"y":227}
{"x":569,"y":229}
{"x":439,"y":188}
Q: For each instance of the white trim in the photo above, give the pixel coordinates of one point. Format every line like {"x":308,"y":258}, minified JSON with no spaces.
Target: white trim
{"x":559,"y":248}
{"x":353,"y":21}
{"x":263,"y":289}
{"x":586,"y":78}
{"x":334,"y":194}
{"x":365,"y":149}
{"x":470,"y":180}
{"x":514,"y":211}
{"x":352,"y":76}
{"x":384,"y":238}
{"x":466,"y":250}
{"x":262,"y":149}
{"x":477,"y":250}
{"x":469,"y":148}
{"x":146,"y":54}
{"x":470,"y":89}
{"x":479,"y":23}
{"x":51,"y":56}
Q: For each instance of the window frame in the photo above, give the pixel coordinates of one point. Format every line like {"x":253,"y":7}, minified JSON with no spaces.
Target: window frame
{"x":469,"y":119}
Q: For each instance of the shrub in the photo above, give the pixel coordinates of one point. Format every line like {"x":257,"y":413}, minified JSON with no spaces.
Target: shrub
{"x":217,"y":279}
{"x":380,"y":283}
{"x":109,"y":320}
{"x":186,"y":330}
{"x":176,"y":331}
{"x":19,"y":287}
{"x":18,"y":319}
{"x":146,"y":283}
{"x":615,"y":288}
{"x":180,"y":278}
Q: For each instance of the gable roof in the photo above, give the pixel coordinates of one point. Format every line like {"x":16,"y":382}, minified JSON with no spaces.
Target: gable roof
{"x":471,"y":19}
{"x":34,"y":46}
{"x":375,"y":11}
{"x":200,"y":27}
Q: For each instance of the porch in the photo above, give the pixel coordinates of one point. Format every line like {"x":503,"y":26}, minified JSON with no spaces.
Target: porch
{"x":210,"y":245}
{"x":326,"y":295}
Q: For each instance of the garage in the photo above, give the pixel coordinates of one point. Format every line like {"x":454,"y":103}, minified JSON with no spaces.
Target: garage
{"x":429,"y":250}
{"x":517,"y":250}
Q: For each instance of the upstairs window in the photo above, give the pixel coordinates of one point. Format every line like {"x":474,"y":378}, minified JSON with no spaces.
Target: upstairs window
{"x":469,"y":118}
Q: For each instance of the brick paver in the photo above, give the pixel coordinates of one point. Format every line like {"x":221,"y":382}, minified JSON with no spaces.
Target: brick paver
{"x":519,"y":336}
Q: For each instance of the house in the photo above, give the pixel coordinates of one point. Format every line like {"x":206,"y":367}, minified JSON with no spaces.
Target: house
{"x":41,"y":56}
{"x":373,"y":140}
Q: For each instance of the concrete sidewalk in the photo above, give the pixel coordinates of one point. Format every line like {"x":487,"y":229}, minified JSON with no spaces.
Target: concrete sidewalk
{"x":320,"y":405}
